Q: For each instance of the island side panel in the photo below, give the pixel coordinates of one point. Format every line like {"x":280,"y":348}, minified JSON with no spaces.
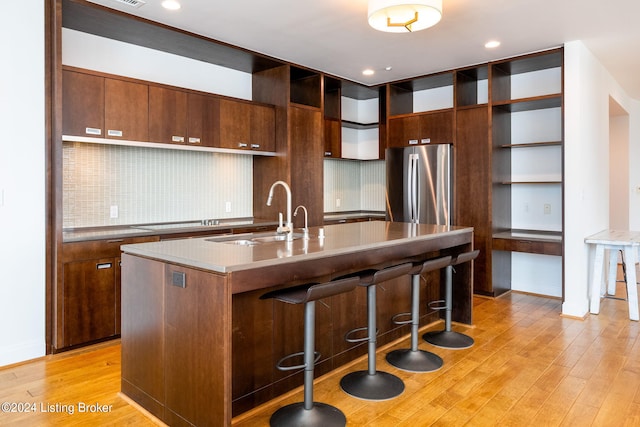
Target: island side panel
{"x":143,"y":332}
{"x":197,"y":347}
{"x":176,"y":342}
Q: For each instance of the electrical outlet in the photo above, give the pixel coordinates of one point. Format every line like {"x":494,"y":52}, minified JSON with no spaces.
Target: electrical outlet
{"x":338,"y":201}
{"x":547,"y":209}
{"x":227,"y":207}
{"x":113,"y":211}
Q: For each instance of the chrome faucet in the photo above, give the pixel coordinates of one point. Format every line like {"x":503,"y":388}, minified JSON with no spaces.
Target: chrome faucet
{"x":305,"y":230}
{"x":288,"y":227}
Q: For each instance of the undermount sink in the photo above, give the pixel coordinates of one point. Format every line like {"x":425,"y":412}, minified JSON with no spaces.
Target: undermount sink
{"x":253,"y":239}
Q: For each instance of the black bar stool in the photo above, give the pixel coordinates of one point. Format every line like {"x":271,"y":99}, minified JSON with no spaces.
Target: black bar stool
{"x":448,"y":338}
{"x":309,"y":413}
{"x":373,"y":384}
{"x":412,"y":359}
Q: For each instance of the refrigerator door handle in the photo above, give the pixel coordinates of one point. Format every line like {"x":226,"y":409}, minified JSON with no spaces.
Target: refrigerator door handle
{"x":413,"y":188}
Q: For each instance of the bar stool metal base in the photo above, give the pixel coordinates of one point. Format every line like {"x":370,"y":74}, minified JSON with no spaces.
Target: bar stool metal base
{"x":381,"y":386}
{"x":320,"y":415}
{"x":414,"y":361}
{"x":448,"y":339}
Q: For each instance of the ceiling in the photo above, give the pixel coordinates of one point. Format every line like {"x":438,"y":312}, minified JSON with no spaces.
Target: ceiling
{"x":333,"y":36}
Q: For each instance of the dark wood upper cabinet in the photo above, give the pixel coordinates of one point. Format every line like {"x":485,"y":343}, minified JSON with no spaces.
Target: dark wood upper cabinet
{"x":179,"y":117}
{"x":417,"y":129}
{"x":126,"y":110}
{"x":83,"y":104}
{"x":167,"y":115}
{"x":246,"y":126}
{"x":102,"y":107}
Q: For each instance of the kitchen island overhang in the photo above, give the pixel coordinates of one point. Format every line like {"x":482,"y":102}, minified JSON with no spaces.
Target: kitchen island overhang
{"x":229,"y":274}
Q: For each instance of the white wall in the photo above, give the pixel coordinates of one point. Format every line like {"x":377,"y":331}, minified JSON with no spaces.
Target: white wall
{"x":22,"y":182}
{"x":588,"y":86}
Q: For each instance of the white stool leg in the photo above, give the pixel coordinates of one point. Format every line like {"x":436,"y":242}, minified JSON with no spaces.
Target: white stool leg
{"x":632,"y":289}
{"x":613,"y":272}
{"x":596,"y":280}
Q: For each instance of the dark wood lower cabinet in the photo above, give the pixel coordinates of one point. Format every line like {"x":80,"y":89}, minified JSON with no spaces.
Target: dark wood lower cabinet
{"x":89,"y":301}
{"x":88,"y":292}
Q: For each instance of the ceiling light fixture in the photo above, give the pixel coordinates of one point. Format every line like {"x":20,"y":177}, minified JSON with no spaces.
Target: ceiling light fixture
{"x":492,"y":44}
{"x":400,"y":16}
{"x":368,"y":72}
{"x":171,"y":4}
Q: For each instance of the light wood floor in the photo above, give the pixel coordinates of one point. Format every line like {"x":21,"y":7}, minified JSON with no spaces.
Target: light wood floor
{"x":530,"y":366}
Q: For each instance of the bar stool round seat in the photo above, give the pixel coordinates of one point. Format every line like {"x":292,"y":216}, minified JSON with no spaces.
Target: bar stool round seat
{"x":448,"y":338}
{"x":309,"y":413}
{"x":413,"y":359}
{"x":373,"y":384}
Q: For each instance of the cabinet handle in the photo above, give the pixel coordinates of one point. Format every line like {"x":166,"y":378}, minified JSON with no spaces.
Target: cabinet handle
{"x":413,"y":141}
{"x":115,"y":240}
{"x":194,"y":140}
{"x":242,"y":145}
{"x":255,"y":146}
{"x":93,"y":131}
{"x":114,"y":132}
{"x":175,"y":138}
{"x":425,"y":141}
{"x":104,"y":266}
{"x":327,"y":153}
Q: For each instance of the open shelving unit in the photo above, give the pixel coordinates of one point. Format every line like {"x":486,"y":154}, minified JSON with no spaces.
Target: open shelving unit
{"x":527,"y":173}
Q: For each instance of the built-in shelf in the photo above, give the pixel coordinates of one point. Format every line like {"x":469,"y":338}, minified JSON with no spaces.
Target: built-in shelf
{"x":355,"y":125}
{"x":529,"y":104}
{"x":530,"y":182}
{"x":529,"y":241}
{"x":533,"y":144}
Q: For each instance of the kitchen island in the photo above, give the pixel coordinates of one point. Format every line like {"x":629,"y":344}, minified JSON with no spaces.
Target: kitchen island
{"x":199,"y":346}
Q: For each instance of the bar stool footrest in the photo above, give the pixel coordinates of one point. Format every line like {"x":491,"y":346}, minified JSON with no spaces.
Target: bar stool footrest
{"x":395,"y":320}
{"x":439,"y":304}
{"x":281,"y":367}
{"x":355,"y":331}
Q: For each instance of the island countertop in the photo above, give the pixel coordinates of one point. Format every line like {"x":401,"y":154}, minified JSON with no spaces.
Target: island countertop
{"x":222,"y":254}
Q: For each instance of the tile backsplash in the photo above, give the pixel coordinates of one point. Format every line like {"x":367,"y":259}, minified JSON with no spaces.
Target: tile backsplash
{"x":149,"y":185}
{"x":152,"y":185}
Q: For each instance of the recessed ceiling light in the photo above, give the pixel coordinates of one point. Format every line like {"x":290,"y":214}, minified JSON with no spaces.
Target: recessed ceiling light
{"x":492,"y":44}
{"x":171,"y":4}
{"x":368,"y":72}
{"x":389,"y":68}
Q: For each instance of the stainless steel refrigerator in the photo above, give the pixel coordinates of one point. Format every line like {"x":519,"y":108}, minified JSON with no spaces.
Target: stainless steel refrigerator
{"x":420,"y":184}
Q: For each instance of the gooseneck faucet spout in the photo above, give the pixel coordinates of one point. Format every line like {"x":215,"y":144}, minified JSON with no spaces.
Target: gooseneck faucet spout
{"x":305,"y":230}
{"x":288,"y":227}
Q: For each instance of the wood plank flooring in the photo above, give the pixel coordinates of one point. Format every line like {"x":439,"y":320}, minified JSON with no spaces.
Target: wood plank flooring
{"x":530,"y":366}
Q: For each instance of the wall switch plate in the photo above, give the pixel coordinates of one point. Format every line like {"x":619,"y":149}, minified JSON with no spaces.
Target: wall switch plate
{"x":113,"y":211}
{"x":338,"y":201}
{"x":227,"y":207}
{"x":547,"y":209}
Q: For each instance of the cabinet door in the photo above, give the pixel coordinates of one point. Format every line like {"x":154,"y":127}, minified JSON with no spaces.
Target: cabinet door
{"x":82,"y":104}
{"x":263,"y":128}
{"x":436,"y":128}
{"x":235,"y":128}
{"x":473,"y":188}
{"x":126,"y":110}
{"x":89,"y":300}
{"x":332,"y":138}
{"x":404,"y":131}
{"x":167,"y":115}
{"x":203,"y":120}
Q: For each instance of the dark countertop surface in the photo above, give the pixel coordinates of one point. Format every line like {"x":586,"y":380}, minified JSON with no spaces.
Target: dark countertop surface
{"x":217,"y":226}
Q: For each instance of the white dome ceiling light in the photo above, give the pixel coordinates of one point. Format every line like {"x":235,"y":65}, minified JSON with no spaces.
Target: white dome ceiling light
{"x":397,"y":16}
